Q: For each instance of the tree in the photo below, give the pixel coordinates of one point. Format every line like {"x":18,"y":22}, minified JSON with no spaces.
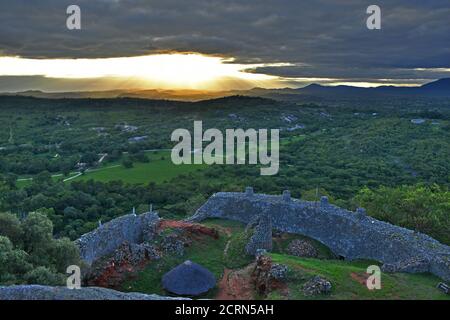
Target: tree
{"x":43,"y":178}
{"x":64,"y":253}
{"x":127,"y":163}
{"x":71,"y":212}
{"x":418,"y":207}
{"x":44,"y":276}
{"x":13,"y":262}
{"x":10,"y":227}
{"x":38,"y":230}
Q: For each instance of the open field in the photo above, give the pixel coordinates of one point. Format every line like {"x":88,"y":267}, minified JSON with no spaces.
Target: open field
{"x":159,"y":169}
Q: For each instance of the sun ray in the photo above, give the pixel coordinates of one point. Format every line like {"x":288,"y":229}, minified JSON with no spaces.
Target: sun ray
{"x":175,"y":70}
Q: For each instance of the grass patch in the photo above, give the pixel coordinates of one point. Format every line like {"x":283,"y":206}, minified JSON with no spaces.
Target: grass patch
{"x":236,"y":257}
{"x":158,"y":170}
{"x":394,"y":286}
{"x":223,"y":224}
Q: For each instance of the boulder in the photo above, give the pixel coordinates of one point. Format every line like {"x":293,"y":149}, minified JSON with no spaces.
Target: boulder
{"x":316,"y":286}
{"x":279,"y":272}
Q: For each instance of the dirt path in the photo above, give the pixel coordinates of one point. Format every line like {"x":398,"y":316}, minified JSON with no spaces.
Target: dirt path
{"x":236,"y":285}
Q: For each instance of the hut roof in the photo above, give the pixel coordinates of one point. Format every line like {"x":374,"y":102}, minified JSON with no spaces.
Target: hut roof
{"x":189,"y":279}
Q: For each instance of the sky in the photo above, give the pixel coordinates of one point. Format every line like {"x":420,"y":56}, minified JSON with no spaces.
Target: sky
{"x":220,"y":45}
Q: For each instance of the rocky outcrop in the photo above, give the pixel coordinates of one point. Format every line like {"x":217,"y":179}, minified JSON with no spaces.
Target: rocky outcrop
{"x":36,"y":292}
{"x":267,"y":276}
{"x":105,"y":240}
{"x":348,"y":234}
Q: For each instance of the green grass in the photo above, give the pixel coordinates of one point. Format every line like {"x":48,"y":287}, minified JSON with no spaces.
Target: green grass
{"x":155,"y":171}
{"x":229,"y":225}
{"x":159,"y":169}
{"x":236,"y":257}
{"x":205,"y":251}
{"x":394,"y":286}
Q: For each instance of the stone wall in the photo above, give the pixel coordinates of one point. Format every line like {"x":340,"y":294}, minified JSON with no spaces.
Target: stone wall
{"x":106,"y":239}
{"x":352,"y":235}
{"x":262,"y":234}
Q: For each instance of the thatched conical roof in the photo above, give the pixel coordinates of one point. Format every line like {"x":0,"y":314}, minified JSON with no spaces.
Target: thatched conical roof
{"x":188,"y":279}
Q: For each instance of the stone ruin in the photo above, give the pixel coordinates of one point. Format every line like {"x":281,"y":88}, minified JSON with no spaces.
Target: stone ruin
{"x":261,"y":225}
{"x":126,"y":244}
{"x":350,"y":235}
{"x":131,"y":229}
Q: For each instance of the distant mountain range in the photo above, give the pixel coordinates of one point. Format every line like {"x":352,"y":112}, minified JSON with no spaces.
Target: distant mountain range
{"x":439,"y":88}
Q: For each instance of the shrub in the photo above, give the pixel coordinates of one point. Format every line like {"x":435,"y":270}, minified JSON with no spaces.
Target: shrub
{"x":418,"y":207}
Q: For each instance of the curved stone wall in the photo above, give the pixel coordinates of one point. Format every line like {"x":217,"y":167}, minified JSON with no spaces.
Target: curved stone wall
{"x":352,"y":235}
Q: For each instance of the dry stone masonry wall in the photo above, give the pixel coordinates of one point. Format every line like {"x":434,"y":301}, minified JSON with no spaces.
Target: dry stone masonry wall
{"x":352,"y":235}
{"x":105,"y":240}
{"x":262,"y":234}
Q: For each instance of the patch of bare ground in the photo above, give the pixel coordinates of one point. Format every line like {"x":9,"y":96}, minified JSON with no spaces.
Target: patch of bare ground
{"x":237,"y":284}
{"x":192,"y":228}
{"x":360,"y":277}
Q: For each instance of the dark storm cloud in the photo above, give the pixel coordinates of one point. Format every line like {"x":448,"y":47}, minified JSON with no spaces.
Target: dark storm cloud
{"x":323,"y":38}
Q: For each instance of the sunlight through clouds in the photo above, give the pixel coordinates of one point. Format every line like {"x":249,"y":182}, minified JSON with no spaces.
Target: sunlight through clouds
{"x":167,"y":70}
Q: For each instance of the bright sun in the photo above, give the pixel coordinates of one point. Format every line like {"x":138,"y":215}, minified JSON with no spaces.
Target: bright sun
{"x":167,"y":71}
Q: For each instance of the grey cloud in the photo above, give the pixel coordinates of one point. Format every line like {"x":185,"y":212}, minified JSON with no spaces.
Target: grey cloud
{"x":329,"y":36}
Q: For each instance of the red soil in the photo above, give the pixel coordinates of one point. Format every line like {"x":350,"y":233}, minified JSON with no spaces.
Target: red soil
{"x":192,"y":228}
{"x":360,"y":277}
{"x":236,"y":285}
